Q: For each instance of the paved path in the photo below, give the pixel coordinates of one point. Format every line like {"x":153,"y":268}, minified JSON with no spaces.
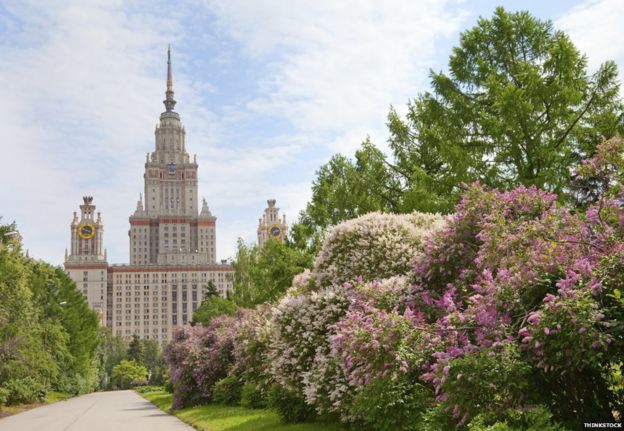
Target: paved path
{"x":101,"y":411}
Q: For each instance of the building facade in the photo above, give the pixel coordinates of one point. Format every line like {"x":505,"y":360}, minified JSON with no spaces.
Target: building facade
{"x":271,"y":225}
{"x":172,"y":245}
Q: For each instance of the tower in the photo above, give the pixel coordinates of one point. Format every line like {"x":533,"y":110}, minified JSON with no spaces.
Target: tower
{"x":166,"y":228}
{"x":270,"y":225}
{"x":86,"y":262}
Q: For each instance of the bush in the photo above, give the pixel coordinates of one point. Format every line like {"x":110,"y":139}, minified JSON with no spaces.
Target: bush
{"x":24,"y":391}
{"x":535,"y":419}
{"x":4,"y":396}
{"x":254,"y":396}
{"x":228,"y":391}
{"x":198,"y":357}
{"x":373,"y":246}
{"x":167,"y":385}
{"x":391,"y":405}
{"x":128,"y":374}
{"x":290,"y":406}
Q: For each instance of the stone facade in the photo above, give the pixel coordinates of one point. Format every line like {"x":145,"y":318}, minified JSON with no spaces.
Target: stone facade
{"x":172,"y":245}
{"x":271,"y":225}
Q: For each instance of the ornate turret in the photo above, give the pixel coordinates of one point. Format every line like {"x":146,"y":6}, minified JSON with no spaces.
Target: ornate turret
{"x":271,"y":225}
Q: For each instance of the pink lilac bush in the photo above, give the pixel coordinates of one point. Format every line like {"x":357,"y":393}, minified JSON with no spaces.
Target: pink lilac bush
{"x":198,"y":357}
{"x":517,"y":267}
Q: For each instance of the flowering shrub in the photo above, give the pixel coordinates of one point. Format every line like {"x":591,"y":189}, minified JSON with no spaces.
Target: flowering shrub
{"x":511,"y":303}
{"x":198,"y":357}
{"x":374,"y":246}
{"x":374,"y":344}
{"x":251,"y":339}
{"x":300,"y":326}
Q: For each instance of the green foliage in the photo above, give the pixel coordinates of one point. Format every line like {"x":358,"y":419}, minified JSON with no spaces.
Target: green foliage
{"x":535,"y":419}
{"x":263,"y":274}
{"x":48,"y":334}
{"x":112,"y":350}
{"x":154,"y":361}
{"x":290,"y":405}
{"x":486,"y":381}
{"x":391,"y":404}
{"x":77,"y":327}
{"x":26,"y":390}
{"x":517,"y":107}
{"x":212,"y":307}
{"x":345,"y":189}
{"x":254,"y":396}
{"x":228,"y":391}
{"x":136,"y":350}
{"x":127,"y":374}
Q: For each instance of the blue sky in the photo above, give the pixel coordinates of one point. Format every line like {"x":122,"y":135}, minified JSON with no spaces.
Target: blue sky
{"x":267,"y":90}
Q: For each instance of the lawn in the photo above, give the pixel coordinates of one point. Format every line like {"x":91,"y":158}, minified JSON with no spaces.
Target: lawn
{"x":225,"y":418}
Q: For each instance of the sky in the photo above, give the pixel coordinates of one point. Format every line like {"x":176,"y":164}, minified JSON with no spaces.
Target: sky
{"x":267,"y":90}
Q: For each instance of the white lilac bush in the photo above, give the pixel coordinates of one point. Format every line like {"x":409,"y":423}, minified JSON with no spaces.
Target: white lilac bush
{"x":374,"y":246}
{"x":300,"y":326}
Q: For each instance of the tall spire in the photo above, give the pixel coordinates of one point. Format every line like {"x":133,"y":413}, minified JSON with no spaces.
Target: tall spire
{"x":169,"y":102}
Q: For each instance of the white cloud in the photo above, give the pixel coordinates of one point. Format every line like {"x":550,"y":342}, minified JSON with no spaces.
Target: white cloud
{"x":337,"y":66}
{"x":595,"y":28}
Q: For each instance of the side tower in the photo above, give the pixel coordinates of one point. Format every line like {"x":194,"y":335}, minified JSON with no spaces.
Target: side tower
{"x":86,"y":262}
{"x":271,"y":225}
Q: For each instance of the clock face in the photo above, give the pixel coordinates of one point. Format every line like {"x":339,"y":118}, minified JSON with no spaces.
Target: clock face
{"x":171,"y":167}
{"x":275,"y":231}
{"x":86,"y":230}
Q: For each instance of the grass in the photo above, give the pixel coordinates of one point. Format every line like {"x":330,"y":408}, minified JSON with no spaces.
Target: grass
{"x":215,"y":417}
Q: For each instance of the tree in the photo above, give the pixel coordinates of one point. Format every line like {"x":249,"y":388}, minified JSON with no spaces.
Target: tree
{"x":517,"y":107}
{"x":212,"y":307}
{"x":135,"y":350}
{"x":154,"y":361}
{"x":59,"y":302}
{"x":264,"y":274}
{"x":127,"y":374}
{"x":345,"y":188}
{"x":112,"y":350}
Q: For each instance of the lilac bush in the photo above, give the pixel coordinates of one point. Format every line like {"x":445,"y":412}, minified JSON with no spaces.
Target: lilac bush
{"x":198,"y":357}
{"x":373,"y":246}
{"x":513,"y":302}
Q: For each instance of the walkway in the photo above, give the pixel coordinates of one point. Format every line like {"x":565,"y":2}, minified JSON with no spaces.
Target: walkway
{"x":101,"y":411}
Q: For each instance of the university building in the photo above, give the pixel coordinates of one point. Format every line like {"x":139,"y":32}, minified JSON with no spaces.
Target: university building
{"x":172,"y":240}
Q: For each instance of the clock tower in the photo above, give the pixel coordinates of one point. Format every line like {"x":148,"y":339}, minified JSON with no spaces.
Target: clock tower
{"x":271,"y":225}
{"x":86,"y":262}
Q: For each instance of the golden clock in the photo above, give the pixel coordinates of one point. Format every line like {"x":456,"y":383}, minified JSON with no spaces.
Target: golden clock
{"x":86,"y":230}
{"x":275,"y":231}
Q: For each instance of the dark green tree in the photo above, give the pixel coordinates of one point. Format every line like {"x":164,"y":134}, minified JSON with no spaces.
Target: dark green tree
{"x":517,"y":107}
{"x":59,"y":302}
{"x":112,"y":350}
{"x":32,"y":349}
{"x":136,"y":350}
{"x":154,"y":361}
